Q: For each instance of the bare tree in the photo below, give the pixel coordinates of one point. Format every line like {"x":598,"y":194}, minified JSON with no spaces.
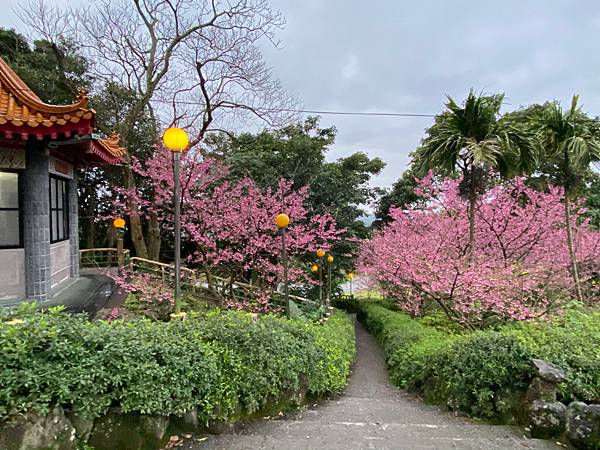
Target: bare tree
{"x":194,"y":63}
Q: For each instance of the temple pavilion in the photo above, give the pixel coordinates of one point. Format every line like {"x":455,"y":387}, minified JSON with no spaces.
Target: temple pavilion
{"x":41,"y":148}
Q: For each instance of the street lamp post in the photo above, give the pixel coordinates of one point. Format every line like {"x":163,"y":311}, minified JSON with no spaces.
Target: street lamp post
{"x":350,"y":277}
{"x":119,"y":224}
{"x":329,"y":264}
{"x":282,"y":221}
{"x":320,"y":254}
{"x":176,"y":140}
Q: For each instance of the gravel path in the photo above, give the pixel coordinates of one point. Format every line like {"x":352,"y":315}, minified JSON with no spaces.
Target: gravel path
{"x":370,"y":414}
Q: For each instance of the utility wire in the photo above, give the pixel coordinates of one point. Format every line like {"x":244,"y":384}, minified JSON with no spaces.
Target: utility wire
{"x":339,"y":113}
{"x":359,"y":113}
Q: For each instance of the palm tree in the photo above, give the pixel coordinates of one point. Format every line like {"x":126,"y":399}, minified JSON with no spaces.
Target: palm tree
{"x":571,"y":142}
{"x":473,"y":140}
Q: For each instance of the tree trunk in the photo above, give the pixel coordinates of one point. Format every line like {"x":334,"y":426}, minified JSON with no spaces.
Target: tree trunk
{"x":90,"y":240}
{"x":154,"y":240}
{"x":135,"y":223}
{"x":572,"y":255}
{"x":472,"y":206}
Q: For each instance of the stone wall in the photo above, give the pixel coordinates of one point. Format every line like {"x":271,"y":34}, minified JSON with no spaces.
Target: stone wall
{"x":12,"y":274}
{"x":577,"y":423}
{"x":36,"y":222}
{"x":61,"y":430}
{"x":60,"y":262}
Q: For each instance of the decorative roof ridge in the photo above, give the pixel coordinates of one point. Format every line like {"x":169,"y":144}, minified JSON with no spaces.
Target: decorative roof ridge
{"x":11,"y":82}
{"x":112,"y":145}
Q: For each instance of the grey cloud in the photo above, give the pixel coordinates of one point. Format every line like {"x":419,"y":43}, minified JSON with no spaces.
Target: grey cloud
{"x":405,"y":56}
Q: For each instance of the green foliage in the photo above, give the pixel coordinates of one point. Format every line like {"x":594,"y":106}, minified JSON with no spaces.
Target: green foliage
{"x":297,"y":152}
{"x":571,"y":342}
{"x":478,"y":370}
{"x":408,"y":345}
{"x":226,"y":364}
{"x":401,"y":195}
{"x":53,"y":70}
{"x":480,"y":373}
{"x":471,"y":137}
{"x":348,"y":303}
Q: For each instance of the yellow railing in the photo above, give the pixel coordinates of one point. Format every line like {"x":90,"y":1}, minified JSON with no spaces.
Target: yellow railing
{"x":191,"y":279}
{"x":196,"y":280}
{"x":101,"y":257}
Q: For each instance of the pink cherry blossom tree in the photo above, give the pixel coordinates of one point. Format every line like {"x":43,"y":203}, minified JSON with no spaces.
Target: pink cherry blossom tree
{"x":228,"y":225}
{"x":520,"y":263}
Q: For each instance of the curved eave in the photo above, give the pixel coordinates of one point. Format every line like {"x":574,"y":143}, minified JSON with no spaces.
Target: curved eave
{"x":8,"y":130}
{"x":108,"y":151}
{"x":11,"y":82}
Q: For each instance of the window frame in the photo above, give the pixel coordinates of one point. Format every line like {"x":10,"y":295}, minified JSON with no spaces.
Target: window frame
{"x":19,"y":208}
{"x":64,"y":209}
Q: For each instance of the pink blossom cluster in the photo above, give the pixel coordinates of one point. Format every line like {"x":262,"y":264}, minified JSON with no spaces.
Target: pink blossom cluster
{"x":520,"y":263}
{"x":228,"y":226}
{"x":145,"y":286}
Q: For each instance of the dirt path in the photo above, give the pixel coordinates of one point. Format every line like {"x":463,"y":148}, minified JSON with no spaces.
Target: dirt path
{"x":371,"y":414}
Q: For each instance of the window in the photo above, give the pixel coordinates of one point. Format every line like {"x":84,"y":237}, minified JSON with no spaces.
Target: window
{"x":59,"y":209}
{"x":10,"y":216}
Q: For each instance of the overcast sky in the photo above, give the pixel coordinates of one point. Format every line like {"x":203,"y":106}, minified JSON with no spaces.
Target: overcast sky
{"x":405,"y":56}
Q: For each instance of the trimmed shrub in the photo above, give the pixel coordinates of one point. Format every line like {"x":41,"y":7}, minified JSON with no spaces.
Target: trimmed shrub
{"x":226,"y":364}
{"x":348,"y":303}
{"x":464,"y":372}
{"x":571,"y":342}
{"x":408,"y":345}
{"x":485,"y":373}
{"x":478,"y":372}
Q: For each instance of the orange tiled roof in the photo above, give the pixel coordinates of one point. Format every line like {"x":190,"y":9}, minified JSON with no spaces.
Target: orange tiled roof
{"x":20,"y":106}
{"x":111,"y":146}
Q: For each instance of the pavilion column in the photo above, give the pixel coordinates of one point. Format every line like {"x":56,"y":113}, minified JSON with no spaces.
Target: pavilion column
{"x":74,"y":224}
{"x":36,"y":222}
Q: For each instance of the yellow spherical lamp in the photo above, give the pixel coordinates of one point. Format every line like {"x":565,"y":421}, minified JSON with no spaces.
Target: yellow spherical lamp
{"x":176,"y":139}
{"x":314,"y":268}
{"x":282,"y":220}
{"x":329,"y":259}
{"x":320,"y":252}
{"x":119,"y":222}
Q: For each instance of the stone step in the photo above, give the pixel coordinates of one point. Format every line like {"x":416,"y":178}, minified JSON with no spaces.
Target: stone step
{"x":353,"y":409}
{"x":308,"y":435}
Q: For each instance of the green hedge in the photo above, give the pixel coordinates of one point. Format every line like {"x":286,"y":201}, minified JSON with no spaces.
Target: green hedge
{"x":226,"y":364}
{"x":571,"y":342}
{"x":484,"y":373}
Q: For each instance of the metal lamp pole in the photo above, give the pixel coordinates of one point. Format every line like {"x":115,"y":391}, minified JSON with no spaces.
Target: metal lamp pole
{"x":119,"y":224}
{"x":320,"y":254}
{"x":177,"y":207}
{"x":176,"y":140}
{"x":282,"y":221}
{"x":329,"y":264}
{"x":350,"y":277}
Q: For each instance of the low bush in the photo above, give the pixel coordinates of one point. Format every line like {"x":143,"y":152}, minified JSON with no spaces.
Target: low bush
{"x":348,"y":303}
{"x":480,"y":373}
{"x":408,"y":345}
{"x":225,"y":364}
{"x":572,"y":342}
{"x":484,"y":373}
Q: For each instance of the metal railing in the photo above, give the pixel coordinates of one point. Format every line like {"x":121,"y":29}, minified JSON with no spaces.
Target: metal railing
{"x":197,"y":282}
{"x":194,"y":281}
{"x":101,"y":257}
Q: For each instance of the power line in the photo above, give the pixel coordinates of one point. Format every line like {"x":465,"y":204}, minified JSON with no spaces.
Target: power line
{"x":359,"y":113}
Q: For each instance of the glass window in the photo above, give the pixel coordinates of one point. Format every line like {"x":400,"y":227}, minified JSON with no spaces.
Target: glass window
{"x":10,"y":216}
{"x":59,"y":209}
